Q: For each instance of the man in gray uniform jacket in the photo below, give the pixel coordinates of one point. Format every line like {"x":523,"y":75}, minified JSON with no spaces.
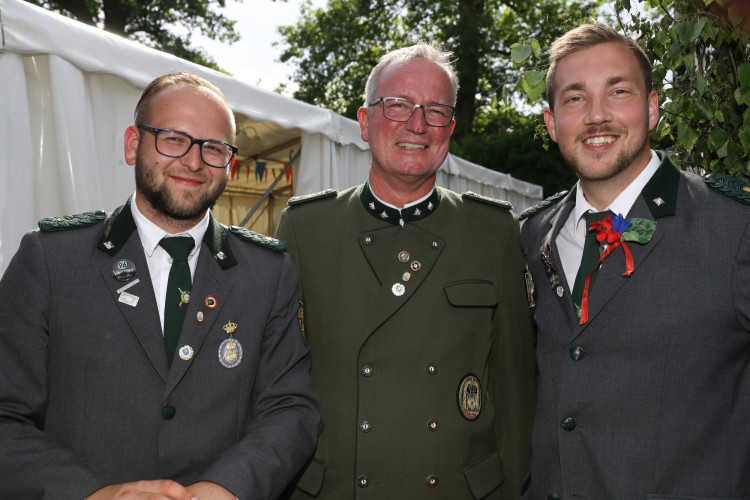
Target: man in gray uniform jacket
{"x":415,"y":310}
{"x":103,"y":394}
{"x":644,"y":360}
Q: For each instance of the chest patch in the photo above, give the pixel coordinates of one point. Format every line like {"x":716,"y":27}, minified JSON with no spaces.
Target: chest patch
{"x":469,"y":397}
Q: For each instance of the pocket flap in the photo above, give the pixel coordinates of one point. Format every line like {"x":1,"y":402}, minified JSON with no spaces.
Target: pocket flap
{"x":471,"y":294}
{"x":485,"y":476}
{"x":311,"y":480}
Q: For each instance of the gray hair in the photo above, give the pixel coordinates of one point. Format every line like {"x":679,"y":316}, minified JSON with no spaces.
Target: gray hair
{"x":420,"y":50}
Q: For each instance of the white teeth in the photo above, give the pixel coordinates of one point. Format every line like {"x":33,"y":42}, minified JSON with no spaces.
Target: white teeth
{"x":406,"y":145}
{"x":600,"y":140}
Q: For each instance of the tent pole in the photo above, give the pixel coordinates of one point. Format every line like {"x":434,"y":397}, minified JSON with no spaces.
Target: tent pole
{"x":268,"y":191}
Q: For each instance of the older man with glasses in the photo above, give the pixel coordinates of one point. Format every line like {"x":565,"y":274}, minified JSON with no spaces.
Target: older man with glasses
{"x":415,"y":310}
{"x":155,"y":353}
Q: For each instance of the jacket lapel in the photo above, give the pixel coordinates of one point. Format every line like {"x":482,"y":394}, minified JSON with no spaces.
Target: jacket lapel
{"x":409,"y":249}
{"x":550,"y":251}
{"x":216,"y":255}
{"x":657,"y":200}
{"x":135,"y":298}
{"x":208,"y":281}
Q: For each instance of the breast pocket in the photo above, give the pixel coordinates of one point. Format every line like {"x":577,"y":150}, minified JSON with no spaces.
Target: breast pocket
{"x":471,"y":293}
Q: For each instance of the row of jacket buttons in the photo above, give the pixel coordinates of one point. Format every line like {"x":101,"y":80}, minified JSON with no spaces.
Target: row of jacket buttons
{"x":432,"y":424}
{"x":365,"y":426}
{"x":568,"y":424}
{"x":364,"y":481}
{"x":367,"y":370}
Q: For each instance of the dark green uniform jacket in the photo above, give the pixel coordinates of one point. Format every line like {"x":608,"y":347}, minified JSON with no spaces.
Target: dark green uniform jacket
{"x":422,"y":346}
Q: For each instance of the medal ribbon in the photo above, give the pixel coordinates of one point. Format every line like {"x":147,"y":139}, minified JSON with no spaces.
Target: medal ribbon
{"x":629,"y":268}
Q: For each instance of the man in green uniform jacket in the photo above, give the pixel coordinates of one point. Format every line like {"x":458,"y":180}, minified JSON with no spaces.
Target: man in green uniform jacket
{"x":415,"y":310}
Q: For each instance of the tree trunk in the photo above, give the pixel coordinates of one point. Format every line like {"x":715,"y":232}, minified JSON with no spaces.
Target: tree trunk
{"x":115,"y":18}
{"x":468,"y":51}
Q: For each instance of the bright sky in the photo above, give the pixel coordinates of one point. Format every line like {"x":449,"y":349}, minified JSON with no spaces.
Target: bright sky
{"x":253,"y":59}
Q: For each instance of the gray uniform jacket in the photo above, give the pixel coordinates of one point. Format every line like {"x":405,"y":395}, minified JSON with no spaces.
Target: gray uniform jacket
{"x":87,"y":398}
{"x":421,"y":343}
{"x":651,"y":397}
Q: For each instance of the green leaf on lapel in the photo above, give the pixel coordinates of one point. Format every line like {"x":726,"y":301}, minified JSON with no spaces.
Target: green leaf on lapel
{"x":640,"y":232}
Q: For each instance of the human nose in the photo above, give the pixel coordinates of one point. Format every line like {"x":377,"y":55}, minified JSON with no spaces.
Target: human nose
{"x":193,"y":159}
{"x":417,"y":122}
{"x":598,"y":111}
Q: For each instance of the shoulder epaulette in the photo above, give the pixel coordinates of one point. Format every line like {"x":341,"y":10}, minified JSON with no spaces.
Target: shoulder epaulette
{"x":470,"y":195}
{"x":541,"y":205}
{"x":729,"y":186}
{"x":258,"y":239}
{"x":296,"y":200}
{"x":64,"y":222}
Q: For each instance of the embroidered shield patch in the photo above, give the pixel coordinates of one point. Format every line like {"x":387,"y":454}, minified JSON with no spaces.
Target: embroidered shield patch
{"x":469,"y":397}
{"x":301,"y":318}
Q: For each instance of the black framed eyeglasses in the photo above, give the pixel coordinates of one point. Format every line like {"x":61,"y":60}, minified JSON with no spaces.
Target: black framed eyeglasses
{"x":399,"y":109}
{"x":176,"y":144}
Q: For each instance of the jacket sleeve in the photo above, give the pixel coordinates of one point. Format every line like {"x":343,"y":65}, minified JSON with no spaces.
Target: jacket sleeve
{"x":515,"y":396}
{"x":32,"y":465}
{"x":282,"y":436}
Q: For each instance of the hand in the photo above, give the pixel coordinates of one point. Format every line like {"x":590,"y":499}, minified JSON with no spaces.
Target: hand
{"x":162,"y":489}
{"x":211,"y":491}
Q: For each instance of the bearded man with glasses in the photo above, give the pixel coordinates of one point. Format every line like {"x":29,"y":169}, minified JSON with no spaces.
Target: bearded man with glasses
{"x":415,"y":310}
{"x":155,"y":353}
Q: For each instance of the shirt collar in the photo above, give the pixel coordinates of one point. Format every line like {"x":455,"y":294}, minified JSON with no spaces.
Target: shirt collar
{"x":151,"y":234}
{"x":624,"y":201}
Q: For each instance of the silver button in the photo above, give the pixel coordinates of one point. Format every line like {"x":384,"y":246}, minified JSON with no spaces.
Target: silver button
{"x":366,"y":370}
{"x":432,"y":480}
{"x":433,"y":424}
{"x":367,"y":239}
{"x":363,"y":481}
{"x":365,"y":426}
{"x":431,"y":368}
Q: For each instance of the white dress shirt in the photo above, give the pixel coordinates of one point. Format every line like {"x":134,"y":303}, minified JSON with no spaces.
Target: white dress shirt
{"x":159,"y":261}
{"x":573,"y":234}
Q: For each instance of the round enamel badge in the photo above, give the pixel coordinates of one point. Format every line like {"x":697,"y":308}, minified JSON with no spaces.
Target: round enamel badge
{"x":469,"y":397}
{"x":186,"y":352}
{"x":123,"y":270}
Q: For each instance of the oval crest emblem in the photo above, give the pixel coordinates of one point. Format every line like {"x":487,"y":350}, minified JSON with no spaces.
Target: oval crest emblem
{"x":469,"y":397}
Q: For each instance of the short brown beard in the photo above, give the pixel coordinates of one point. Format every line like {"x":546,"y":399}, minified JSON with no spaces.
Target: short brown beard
{"x":161,"y":201}
{"x":621,"y":163}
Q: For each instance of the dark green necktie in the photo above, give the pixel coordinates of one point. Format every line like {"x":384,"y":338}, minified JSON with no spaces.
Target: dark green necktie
{"x":178,"y":290}
{"x":590,"y":256}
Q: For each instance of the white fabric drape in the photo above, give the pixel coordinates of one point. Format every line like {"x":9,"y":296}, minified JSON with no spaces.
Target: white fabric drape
{"x":67,"y":94}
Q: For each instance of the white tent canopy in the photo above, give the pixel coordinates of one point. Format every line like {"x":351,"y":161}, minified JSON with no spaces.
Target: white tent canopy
{"x":67,"y":93}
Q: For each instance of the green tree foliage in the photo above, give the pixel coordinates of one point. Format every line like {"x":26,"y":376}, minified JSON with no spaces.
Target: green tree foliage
{"x":701,"y":71}
{"x":335,"y":48}
{"x":702,"y":74}
{"x":507,"y":141}
{"x":147,"y":21}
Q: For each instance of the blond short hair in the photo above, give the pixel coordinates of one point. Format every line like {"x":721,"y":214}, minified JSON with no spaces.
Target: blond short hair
{"x":584,"y":37}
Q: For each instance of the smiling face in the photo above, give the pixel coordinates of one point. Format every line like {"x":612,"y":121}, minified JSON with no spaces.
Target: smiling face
{"x":175,"y":193}
{"x":406,"y":155}
{"x":602,"y":114}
